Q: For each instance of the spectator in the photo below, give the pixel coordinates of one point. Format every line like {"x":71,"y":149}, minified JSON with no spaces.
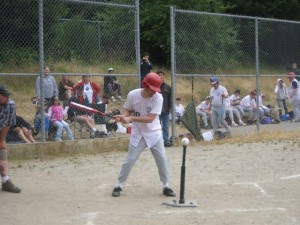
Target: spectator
{"x":264,"y":109}
{"x":204,"y":111}
{"x":146,"y":65}
{"x":235,"y":101}
{"x":56,"y":114}
{"x":281,"y":95}
{"x":141,"y":109}
{"x":217,"y":95}
{"x":7,"y":119}
{"x":250,"y":108}
{"x":65,"y":88}
{"x":82,"y":117}
{"x":91,"y":89}
{"x":230,"y":111}
{"x":296,"y":71}
{"x":50,"y":86}
{"x":294,"y":95}
{"x":23,"y":130}
{"x":111,"y":85}
{"x":166,"y":92}
{"x":179,"y":110}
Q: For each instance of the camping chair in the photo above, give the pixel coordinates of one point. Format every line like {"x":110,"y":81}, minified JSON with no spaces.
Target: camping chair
{"x":104,"y":120}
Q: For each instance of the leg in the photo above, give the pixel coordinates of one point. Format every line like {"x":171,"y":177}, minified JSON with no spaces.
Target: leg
{"x":28,"y":134}
{"x":164,"y":118}
{"x":59,"y":127}
{"x":284,"y":106}
{"x":67,"y":128}
{"x":214,"y":120}
{"x":279,"y":106}
{"x":117,"y":87}
{"x":221,"y":115}
{"x":21,"y":134}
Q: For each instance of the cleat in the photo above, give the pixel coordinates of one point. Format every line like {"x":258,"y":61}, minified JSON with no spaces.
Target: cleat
{"x":169,"y":192}
{"x":116,"y":192}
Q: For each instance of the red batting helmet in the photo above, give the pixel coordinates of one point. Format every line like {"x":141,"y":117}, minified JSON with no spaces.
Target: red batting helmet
{"x":152,"y":81}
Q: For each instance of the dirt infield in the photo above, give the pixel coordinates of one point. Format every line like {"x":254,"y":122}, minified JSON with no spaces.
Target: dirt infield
{"x":257,"y":183}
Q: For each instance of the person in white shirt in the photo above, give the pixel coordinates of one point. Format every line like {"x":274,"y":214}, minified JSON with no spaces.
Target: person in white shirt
{"x":294,"y":95}
{"x":264,"y":109}
{"x":281,"y":93}
{"x":218,"y":94}
{"x":230,"y":111}
{"x":204,"y":111}
{"x":179,"y":110}
{"x":235,"y":101}
{"x":250,"y":108}
{"x":142,"y":109}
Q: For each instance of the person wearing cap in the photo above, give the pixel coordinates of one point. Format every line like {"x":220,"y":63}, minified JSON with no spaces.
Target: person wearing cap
{"x":7,"y":119}
{"x":250,"y":107}
{"x":281,"y":93}
{"x":204,"y":111}
{"x":218,"y":93}
{"x":166,"y":92}
{"x":50,"y":86}
{"x":294,"y":95}
{"x":111,"y":85}
{"x":142,"y":109}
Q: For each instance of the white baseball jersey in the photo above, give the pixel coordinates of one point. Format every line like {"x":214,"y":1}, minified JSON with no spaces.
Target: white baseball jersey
{"x":203,"y":106}
{"x":247,"y":102}
{"x":216,"y":95}
{"x":141,"y":106}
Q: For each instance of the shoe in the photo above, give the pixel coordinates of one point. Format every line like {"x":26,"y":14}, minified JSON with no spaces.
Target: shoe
{"x":234,"y":124}
{"x":10,"y":187}
{"x":168,"y":144}
{"x":112,"y":99}
{"x":57,"y":139}
{"x":241,"y":123}
{"x":206,"y":126}
{"x":116,"y":192}
{"x":169,"y":192}
{"x":120,"y":98}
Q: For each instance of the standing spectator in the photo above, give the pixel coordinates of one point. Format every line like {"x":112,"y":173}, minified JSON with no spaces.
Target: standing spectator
{"x":91,"y":89}
{"x":23,"y":130}
{"x":296,"y":71}
{"x":166,"y":92}
{"x":204,"y":111}
{"x":142,"y":109}
{"x":65,"y":88}
{"x":146,"y":65}
{"x":56,"y":114}
{"x":281,"y":95}
{"x":111,"y":84}
{"x":50,"y":86}
{"x":294,"y":95}
{"x":7,"y":119}
{"x":235,"y":101}
{"x":217,"y":94}
{"x":179,"y":110}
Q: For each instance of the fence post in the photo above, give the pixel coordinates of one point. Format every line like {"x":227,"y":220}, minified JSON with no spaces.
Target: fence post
{"x":137,"y":41}
{"x":257,"y":74}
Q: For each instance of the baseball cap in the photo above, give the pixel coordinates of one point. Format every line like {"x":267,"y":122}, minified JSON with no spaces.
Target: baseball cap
{"x":4,"y":91}
{"x":214,"y":80}
{"x":110,"y":69}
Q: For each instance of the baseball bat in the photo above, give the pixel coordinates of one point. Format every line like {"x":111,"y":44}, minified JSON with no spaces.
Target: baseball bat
{"x":88,"y":109}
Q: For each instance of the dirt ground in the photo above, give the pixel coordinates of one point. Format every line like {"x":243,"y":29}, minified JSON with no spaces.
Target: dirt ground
{"x":233,"y":184}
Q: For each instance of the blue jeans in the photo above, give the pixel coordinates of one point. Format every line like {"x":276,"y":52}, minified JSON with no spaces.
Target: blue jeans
{"x":279,"y":101}
{"x":164,"y":120}
{"x":60,"y":125}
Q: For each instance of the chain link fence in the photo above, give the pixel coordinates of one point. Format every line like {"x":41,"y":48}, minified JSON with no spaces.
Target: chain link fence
{"x":245,"y":53}
{"x":72,"y":37}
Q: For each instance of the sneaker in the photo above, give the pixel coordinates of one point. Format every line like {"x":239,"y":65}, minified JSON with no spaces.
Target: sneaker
{"x":241,"y":123}
{"x":168,"y":144}
{"x":112,"y":99}
{"x":120,"y":98}
{"x":10,"y":187}
{"x":116,"y":192}
{"x":234,"y":124}
{"x":169,"y":192}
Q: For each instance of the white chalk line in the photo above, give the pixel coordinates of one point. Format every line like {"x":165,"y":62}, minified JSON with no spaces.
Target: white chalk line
{"x":255,"y":185}
{"x":290,"y":177}
{"x":219,"y":211}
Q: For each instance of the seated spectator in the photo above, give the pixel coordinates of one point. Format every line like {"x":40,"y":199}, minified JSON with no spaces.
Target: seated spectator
{"x":111,"y":84}
{"x":81,"y":116}
{"x":281,"y":93}
{"x":65,"y":88}
{"x":264,"y":109}
{"x":250,"y":108}
{"x":204,"y":111}
{"x":90,"y":89}
{"x":179,"y":110}
{"x":56,"y":114}
{"x":230,"y":111}
{"x":235,"y":101}
{"x":22,"y":129}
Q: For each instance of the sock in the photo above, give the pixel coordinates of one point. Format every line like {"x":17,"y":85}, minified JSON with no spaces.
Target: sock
{"x":5,"y":178}
{"x":119,"y":185}
{"x":166,"y":185}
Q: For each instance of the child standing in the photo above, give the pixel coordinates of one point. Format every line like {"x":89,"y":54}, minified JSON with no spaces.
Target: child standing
{"x":56,"y":114}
